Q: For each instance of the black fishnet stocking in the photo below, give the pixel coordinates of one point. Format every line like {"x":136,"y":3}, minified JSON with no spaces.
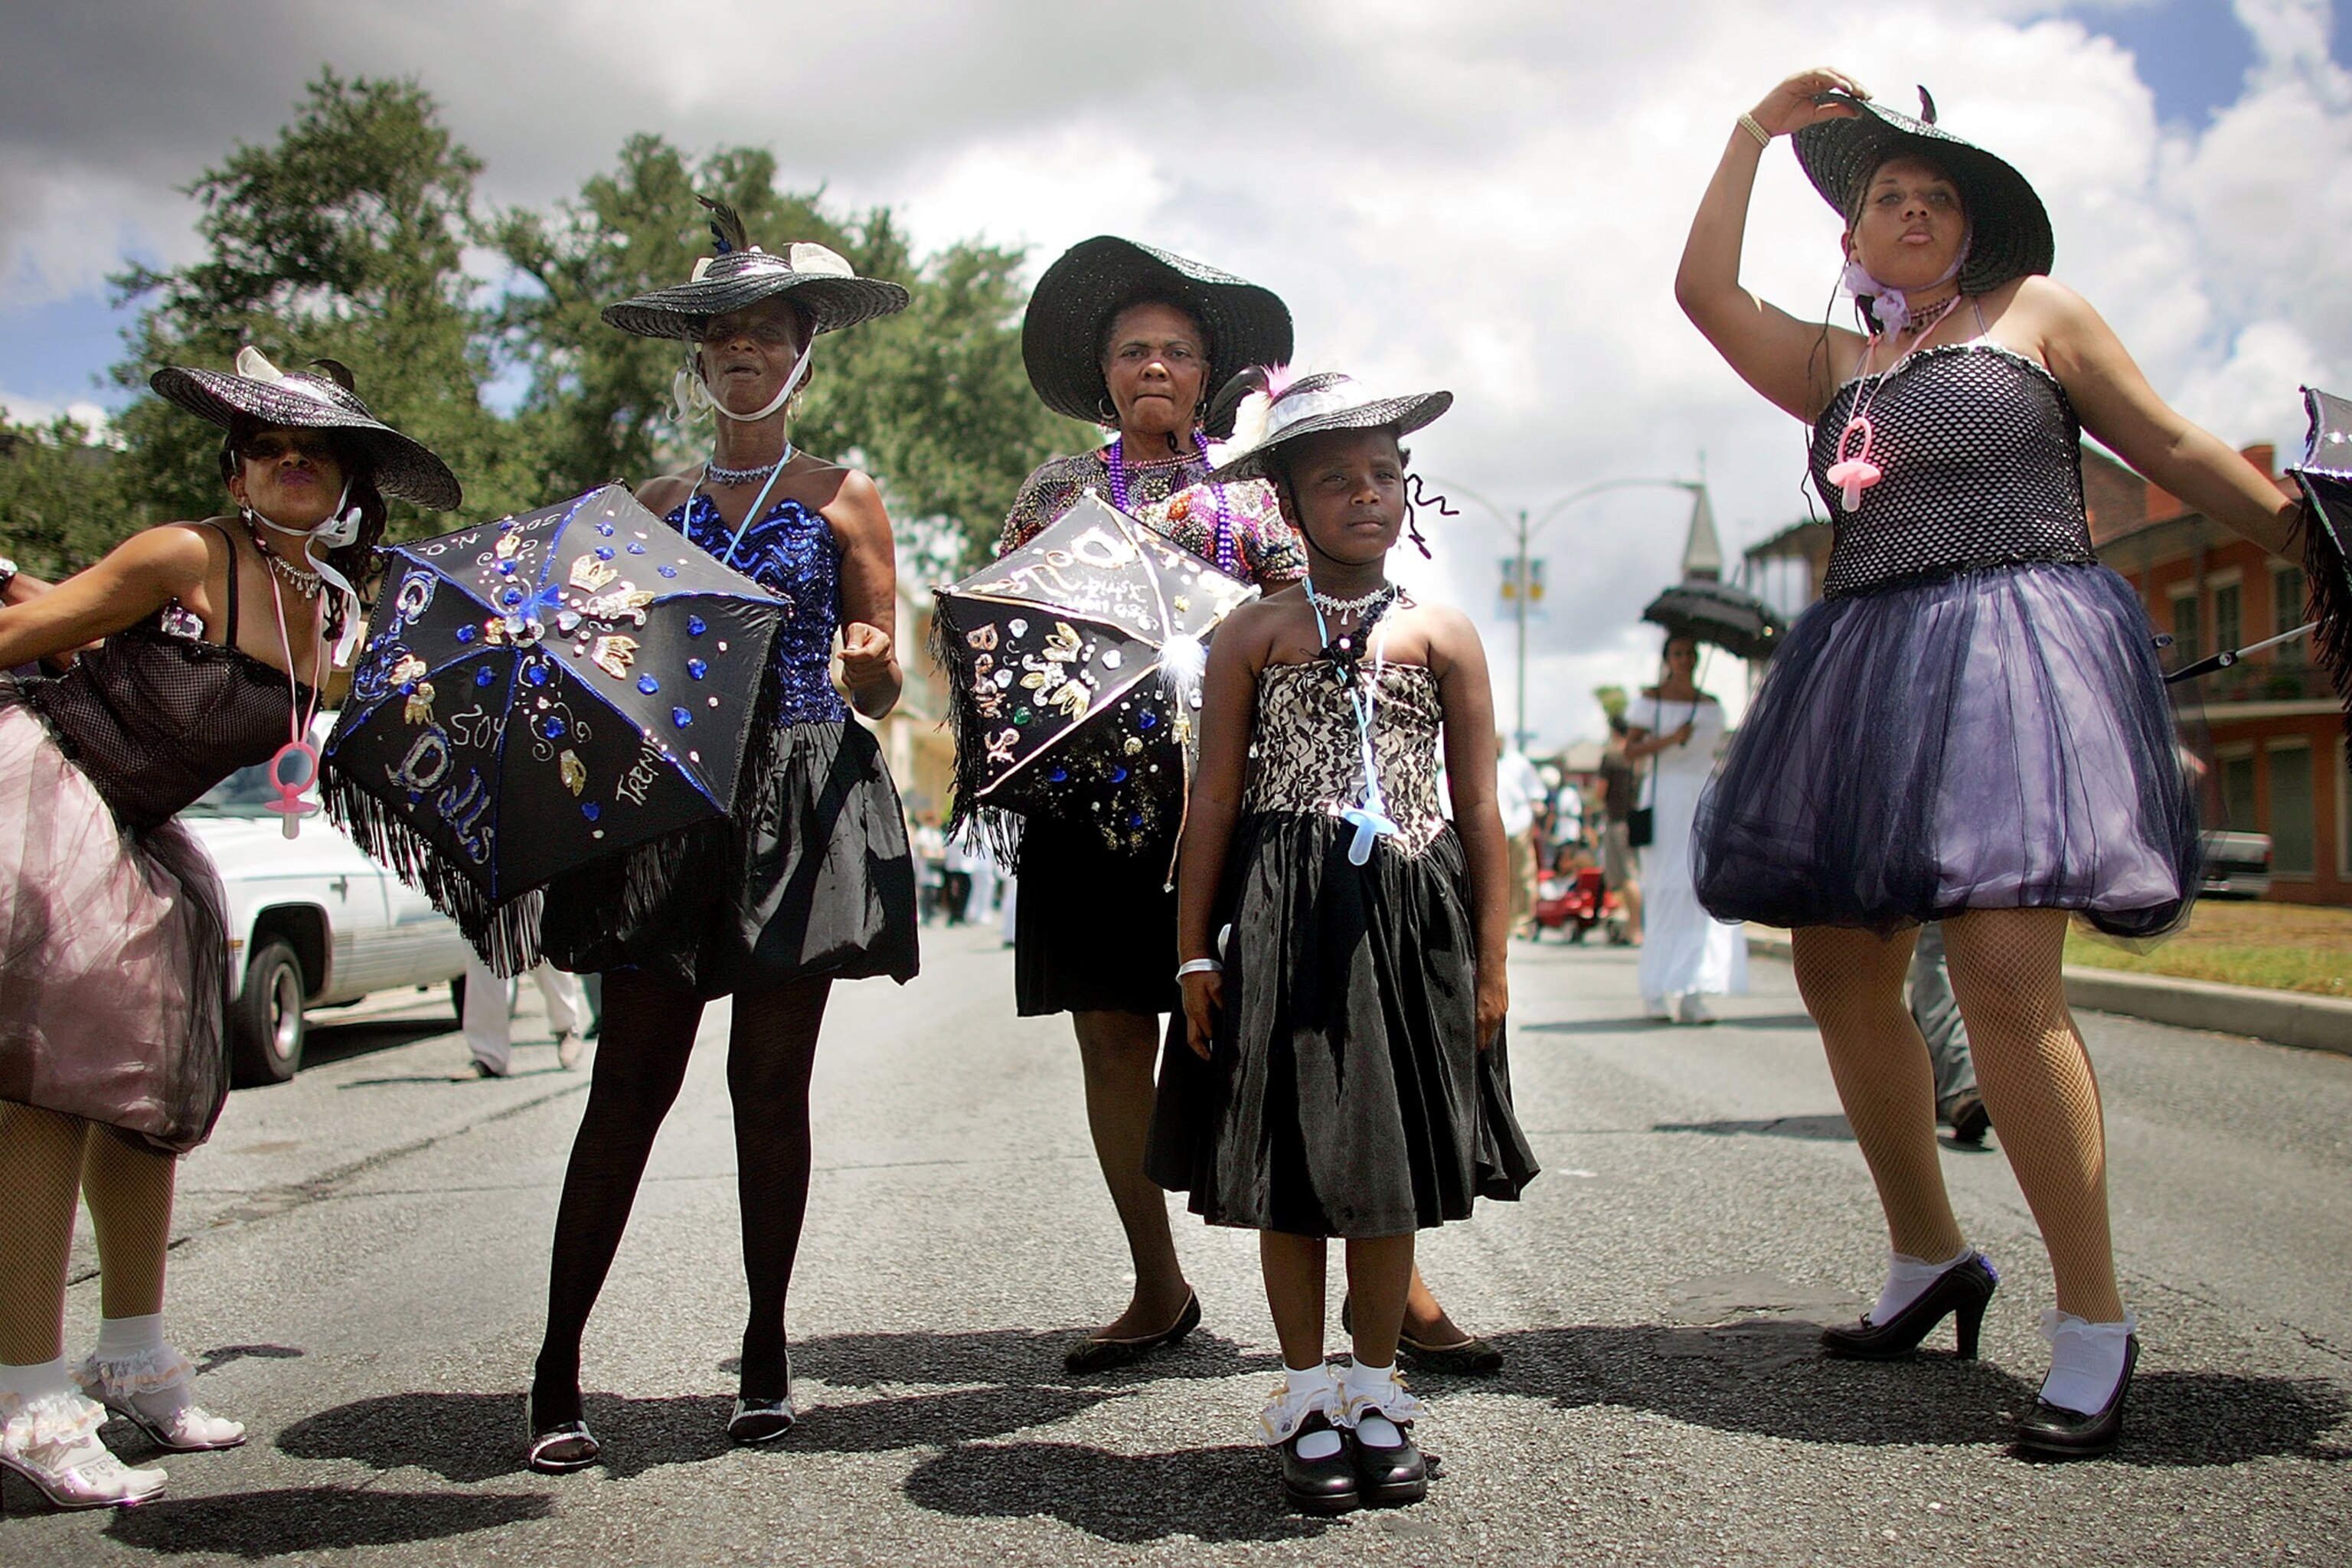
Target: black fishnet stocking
{"x":641,"y":1060}
{"x":1852,"y":984}
{"x":2037,"y":1083}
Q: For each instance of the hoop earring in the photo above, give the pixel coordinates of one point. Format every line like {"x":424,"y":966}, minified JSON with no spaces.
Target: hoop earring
{"x":1106,"y":414}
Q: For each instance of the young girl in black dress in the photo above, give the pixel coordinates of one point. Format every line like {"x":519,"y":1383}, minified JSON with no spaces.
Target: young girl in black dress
{"x":1351,"y":1017}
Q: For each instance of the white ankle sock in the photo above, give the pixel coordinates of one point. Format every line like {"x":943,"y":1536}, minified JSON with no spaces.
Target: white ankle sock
{"x":1907,"y":1279}
{"x":128,"y":1336}
{"x":1372,"y":1429}
{"x":37,"y":1381}
{"x":1302,"y":1380}
{"x":2086,"y":1359}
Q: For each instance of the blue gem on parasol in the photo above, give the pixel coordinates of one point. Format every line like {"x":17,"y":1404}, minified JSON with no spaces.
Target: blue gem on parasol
{"x":604,"y":552}
{"x":1147,"y":720}
{"x":590,"y":810}
{"x":680,"y":717}
{"x":485,"y":675}
{"x":667,"y":570}
{"x":464,"y":632}
{"x":510,"y":596}
{"x":648,"y":685}
{"x":636,"y":550}
{"x":605,"y":528}
{"x":694,"y":627}
{"x":696,"y":669}
{"x":554,"y":727}
{"x":535,"y":673}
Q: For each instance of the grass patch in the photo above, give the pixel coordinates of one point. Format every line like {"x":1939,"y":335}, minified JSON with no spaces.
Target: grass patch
{"x":2279,"y":947}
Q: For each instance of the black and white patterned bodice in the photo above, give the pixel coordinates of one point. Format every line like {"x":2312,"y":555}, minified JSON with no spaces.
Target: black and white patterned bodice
{"x":1981,"y":458}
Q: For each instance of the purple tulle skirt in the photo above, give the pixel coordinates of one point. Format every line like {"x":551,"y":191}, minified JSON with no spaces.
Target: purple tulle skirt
{"x":1998,"y":739}
{"x":113,"y":956}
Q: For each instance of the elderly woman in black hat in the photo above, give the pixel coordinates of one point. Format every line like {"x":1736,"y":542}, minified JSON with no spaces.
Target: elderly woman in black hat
{"x":112,"y":938}
{"x":1971,"y":726}
{"x":811,"y":883}
{"x":1138,"y":341}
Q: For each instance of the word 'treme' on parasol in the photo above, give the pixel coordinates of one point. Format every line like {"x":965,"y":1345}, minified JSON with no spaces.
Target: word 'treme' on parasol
{"x":1076,"y":662}
{"x":541,"y":692}
{"x":1731,"y":618}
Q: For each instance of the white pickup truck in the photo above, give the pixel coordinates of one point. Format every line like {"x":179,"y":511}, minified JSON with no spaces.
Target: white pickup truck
{"x":312,"y":923}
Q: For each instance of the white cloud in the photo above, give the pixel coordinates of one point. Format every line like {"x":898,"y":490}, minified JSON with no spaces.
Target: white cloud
{"x":18,"y":409}
{"x":1490,"y":198}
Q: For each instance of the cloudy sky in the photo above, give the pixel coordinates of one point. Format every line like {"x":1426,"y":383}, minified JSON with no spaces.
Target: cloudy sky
{"x":1488,"y":195}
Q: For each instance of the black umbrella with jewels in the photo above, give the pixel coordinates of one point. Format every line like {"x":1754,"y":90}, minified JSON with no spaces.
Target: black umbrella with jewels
{"x":541,"y":692}
{"x":2325,"y":475}
{"x":1733,"y":619}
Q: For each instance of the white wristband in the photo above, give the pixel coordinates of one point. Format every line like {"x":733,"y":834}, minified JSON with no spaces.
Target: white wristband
{"x":1199,"y":966}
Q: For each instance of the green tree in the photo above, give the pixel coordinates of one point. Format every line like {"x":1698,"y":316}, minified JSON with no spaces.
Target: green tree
{"x":62,"y":503}
{"x":344,"y":238}
{"x":1611,"y":700}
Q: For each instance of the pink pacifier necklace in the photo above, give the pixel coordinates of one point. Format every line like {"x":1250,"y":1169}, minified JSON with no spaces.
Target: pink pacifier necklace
{"x":289,"y":806}
{"x":1854,"y":472}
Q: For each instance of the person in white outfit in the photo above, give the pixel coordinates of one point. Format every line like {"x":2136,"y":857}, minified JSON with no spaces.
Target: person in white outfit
{"x":1688,"y":954}
{"x":1517,"y":788}
{"x":490,"y":1024}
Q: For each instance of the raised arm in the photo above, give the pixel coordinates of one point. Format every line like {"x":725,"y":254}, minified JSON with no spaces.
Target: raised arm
{"x":1467,"y":700}
{"x":869,"y":596}
{"x":2117,"y":404}
{"x":137,"y":578}
{"x":1228,"y":710}
{"x":1793,"y":364}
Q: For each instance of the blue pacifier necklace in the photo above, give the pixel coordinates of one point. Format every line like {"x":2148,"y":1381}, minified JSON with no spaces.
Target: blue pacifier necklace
{"x":1370,"y":820}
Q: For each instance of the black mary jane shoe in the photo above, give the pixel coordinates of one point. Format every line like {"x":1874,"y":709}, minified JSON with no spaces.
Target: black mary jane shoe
{"x":558,"y":1447}
{"x":1469,"y":1356}
{"x":1386,"y":1477}
{"x":1327,"y":1485}
{"x":2048,"y":1432}
{"x":1960,"y":1292}
{"x":1093,"y":1355}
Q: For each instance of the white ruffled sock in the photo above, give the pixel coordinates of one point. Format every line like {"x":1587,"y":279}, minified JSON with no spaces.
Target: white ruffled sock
{"x":1908,"y":1280}
{"x":2086,"y":1359}
{"x":1301,"y":1383}
{"x":37,"y":1381}
{"x":1373,"y":1429}
{"x":157,"y":1379}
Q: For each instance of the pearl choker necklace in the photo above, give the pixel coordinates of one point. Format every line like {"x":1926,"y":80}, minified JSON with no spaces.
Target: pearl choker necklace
{"x":718,"y":475}
{"x":1336,"y":608}
{"x":303,"y":582}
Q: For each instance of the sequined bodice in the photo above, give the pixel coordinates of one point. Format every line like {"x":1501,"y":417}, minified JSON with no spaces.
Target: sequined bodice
{"x":155,"y":719}
{"x":1982,"y":459}
{"x":1306,"y":754}
{"x":791,"y":553}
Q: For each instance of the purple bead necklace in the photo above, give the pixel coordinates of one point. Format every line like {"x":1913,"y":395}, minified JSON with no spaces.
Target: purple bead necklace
{"x":1226,"y":560}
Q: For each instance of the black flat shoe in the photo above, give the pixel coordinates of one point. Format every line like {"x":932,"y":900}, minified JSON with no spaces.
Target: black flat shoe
{"x":1388,"y":1476}
{"x":2060,"y":1434}
{"x":1960,"y":1292}
{"x":1971,"y":1121}
{"x":1321,"y":1486}
{"x":1092,"y":1354}
{"x":1469,"y":1356}
{"x":560,"y":1448}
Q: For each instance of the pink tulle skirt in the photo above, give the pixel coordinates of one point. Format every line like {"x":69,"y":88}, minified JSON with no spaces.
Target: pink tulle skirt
{"x":113,"y":955}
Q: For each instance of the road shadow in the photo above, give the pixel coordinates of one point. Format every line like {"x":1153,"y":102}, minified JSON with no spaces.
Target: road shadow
{"x":1007,"y":1356}
{"x":1769,"y":1021}
{"x":307,"y":1521}
{"x":325,"y":1041}
{"x":1593,"y":1026}
{"x":474,"y":1437}
{"x":1769,"y":1378}
{"x":1811,"y":1128}
{"x":1224,"y":1494}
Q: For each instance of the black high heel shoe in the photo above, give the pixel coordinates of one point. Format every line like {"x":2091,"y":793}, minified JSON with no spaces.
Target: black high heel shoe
{"x":1960,"y":1292}
{"x":2061,"y":1434}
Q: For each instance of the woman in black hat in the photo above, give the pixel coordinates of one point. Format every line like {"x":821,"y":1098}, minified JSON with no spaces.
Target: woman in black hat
{"x":113,"y":933}
{"x":1971,"y":726}
{"x":811,"y":883}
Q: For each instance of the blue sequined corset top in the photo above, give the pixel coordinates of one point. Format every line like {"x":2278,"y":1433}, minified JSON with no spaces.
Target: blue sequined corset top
{"x":791,"y":553}
{"x":1982,"y":465}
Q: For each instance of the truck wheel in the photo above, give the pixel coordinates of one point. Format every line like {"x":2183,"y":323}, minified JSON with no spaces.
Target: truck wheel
{"x":266,"y":1025}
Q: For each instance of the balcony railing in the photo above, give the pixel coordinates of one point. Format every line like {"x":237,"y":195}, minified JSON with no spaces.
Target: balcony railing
{"x":2265,"y":682}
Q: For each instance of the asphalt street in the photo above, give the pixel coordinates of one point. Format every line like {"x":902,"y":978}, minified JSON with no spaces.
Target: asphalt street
{"x":361,"y":1276}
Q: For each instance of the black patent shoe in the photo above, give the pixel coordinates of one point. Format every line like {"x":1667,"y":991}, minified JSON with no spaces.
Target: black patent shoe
{"x":1319,"y":1486}
{"x":558,"y":1447}
{"x":1388,"y":1476}
{"x":1961,"y":1292}
{"x":2051,"y":1432}
{"x":1469,"y":1356}
{"x":1092,"y":1354}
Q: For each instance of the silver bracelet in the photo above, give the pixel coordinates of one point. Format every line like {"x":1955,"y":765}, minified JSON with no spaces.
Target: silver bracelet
{"x":1199,"y":966}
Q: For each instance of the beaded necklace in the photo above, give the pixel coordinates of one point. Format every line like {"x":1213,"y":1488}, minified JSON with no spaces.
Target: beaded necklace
{"x":1225,"y":559}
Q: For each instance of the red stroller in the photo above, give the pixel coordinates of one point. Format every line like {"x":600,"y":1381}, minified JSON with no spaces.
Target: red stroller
{"x":1575,"y":901}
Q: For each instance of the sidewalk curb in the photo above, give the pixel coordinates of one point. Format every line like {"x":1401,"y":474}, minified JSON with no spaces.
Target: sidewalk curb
{"x":2281,"y":1017}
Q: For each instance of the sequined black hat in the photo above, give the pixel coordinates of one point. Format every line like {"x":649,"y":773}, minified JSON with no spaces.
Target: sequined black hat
{"x":2008,"y":228}
{"x":1272,"y":412}
{"x":1061,"y":336}
{"x":298,"y":399}
{"x":820,"y":281}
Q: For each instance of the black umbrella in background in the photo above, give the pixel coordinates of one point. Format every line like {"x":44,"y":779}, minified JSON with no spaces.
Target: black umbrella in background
{"x":541,"y":692}
{"x":2326,"y":476}
{"x":1732,"y":620}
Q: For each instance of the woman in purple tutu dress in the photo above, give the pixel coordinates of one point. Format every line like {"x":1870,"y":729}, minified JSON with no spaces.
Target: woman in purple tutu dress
{"x":1970,"y":727}
{"x":112,"y":946}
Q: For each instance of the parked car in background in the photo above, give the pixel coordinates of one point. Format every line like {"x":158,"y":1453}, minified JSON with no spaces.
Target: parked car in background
{"x":2237,"y":864}
{"x":312,"y":923}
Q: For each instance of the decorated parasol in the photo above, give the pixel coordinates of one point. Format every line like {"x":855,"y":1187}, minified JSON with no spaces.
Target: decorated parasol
{"x":2326,"y":476}
{"x":1733,"y":619}
{"x":1076,"y":662}
{"x":541,"y":692}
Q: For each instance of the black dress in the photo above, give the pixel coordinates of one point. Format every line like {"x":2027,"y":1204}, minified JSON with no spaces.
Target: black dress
{"x":811,"y":877}
{"x":1346,"y":1094}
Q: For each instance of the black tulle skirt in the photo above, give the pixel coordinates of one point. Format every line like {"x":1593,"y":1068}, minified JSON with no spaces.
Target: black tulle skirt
{"x":815,"y":879}
{"x":1346,"y":1095}
{"x":1998,"y":739}
{"x":1094,"y":930}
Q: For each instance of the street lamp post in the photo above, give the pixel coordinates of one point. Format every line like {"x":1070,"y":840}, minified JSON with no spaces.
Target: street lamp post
{"x":1521,"y":533}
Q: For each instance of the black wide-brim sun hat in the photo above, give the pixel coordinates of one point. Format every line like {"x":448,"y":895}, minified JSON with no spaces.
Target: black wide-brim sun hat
{"x":399,"y":465}
{"x":1070,"y":309}
{"x":1321,"y":404}
{"x":2008,"y":228}
{"x":818,"y":280}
